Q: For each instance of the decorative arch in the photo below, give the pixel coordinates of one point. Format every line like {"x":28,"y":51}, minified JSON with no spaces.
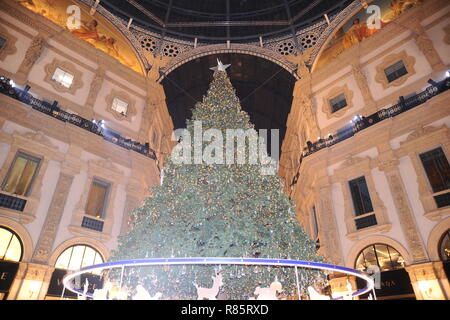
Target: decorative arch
{"x":264,"y":53}
{"x":327,"y":35}
{"x":97,"y":245}
{"x":22,"y":233}
{"x":357,"y":248}
{"x":434,"y":238}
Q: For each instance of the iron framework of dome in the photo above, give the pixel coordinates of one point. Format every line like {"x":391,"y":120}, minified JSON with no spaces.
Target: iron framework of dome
{"x":221,"y":20}
{"x":182,"y":30}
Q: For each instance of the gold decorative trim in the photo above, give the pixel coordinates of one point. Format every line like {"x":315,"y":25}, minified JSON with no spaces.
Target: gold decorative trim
{"x":10,"y":43}
{"x":66,"y":66}
{"x":408,"y":61}
{"x":333,"y":93}
{"x":122,"y":95}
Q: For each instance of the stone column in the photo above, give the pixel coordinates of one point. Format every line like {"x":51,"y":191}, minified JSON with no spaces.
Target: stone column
{"x":389,"y":164}
{"x":32,"y":283}
{"x":144,"y":174}
{"x":69,"y":168}
{"x":427,"y":48}
{"x":301,"y":116}
{"x":50,"y":227}
{"x":31,"y":56}
{"x":17,"y":282}
{"x":95,"y":87}
{"x":338,"y":285}
{"x":156,"y":113}
{"x":131,"y":203}
{"x":328,"y":231}
{"x":361,"y":81}
{"x":46,"y":282}
{"x":429,"y":281}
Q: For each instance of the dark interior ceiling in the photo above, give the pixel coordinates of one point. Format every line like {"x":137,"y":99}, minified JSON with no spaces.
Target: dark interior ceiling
{"x":264,"y":89}
{"x":221,"y":20}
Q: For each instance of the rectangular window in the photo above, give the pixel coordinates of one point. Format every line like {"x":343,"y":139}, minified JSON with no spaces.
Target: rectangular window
{"x":120,"y":106}
{"x":360,"y":196}
{"x":437,"y":168}
{"x":97,"y":200}
{"x":338,"y":103}
{"x":21,"y":174}
{"x":62,"y":77}
{"x":395,"y":71}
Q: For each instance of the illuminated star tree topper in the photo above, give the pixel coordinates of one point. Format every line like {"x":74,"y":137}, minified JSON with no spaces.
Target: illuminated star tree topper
{"x":220,"y":66}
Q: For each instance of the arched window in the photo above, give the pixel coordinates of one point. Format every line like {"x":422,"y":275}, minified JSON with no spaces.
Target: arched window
{"x":77,"y":257}
{"x":10,"y":245}
{"x":444,"y":246}
{"x":381,"y":255}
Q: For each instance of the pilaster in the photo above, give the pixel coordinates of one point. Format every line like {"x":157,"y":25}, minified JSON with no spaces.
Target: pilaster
{"x":31,"y":56}
{"x":389,"y":165}
{"x":328,"y":232}
{"x":429,"y":281}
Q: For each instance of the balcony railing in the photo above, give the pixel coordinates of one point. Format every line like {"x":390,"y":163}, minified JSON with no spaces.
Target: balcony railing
{"x":54,"y":111}
{"x":361,"y":123}
{"x":11,"y":202}
{"x":92,"y":224}
{"x":366,"y":222}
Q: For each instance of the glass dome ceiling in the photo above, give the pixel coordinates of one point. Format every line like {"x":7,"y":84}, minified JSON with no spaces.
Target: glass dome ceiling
{"x":221,"y":20}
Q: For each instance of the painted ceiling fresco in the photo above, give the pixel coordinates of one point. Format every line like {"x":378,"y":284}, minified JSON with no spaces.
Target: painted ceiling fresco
{"x":357,"y":28}
{"x":95,"y":30}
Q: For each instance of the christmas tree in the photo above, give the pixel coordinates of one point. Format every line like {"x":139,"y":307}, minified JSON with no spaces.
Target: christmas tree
{"x":217,"y":206}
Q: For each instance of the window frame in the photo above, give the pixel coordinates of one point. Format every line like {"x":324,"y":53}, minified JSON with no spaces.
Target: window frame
{"x":13,"y":234}
{"x":97,"y":252}
{"x":65,"y":72}
{"x":361,"y":252}
{"x":116,"y":100}
{"x":103,"y":183}
{"x":11,"y":167}
{"x":430,"y":189}
{"x":440,"y":246}
{"x":389,"y":80}
{"x":424,"y":169}
{"x":5,"y":40}
{"x":332,"y":109}
{"x":355,"y":213}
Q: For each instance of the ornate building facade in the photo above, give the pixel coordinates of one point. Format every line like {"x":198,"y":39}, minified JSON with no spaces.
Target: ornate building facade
{"x":85,"y":129}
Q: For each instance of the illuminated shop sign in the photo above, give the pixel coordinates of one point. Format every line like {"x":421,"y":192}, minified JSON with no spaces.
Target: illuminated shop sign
{"x":8,"y":272}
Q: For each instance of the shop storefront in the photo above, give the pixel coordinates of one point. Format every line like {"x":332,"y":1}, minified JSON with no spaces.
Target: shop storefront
{"x":10,"y":256}
{"x":74,"y":258}
{"x":393,"y":281}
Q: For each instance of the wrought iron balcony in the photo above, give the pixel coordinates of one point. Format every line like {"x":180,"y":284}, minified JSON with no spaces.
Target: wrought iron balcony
{"x":366,"y":222}
{"x":361,"y":123}
{"x":54,"y":111}
{"x":11,"y":202}
{"x":92,"y":224}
